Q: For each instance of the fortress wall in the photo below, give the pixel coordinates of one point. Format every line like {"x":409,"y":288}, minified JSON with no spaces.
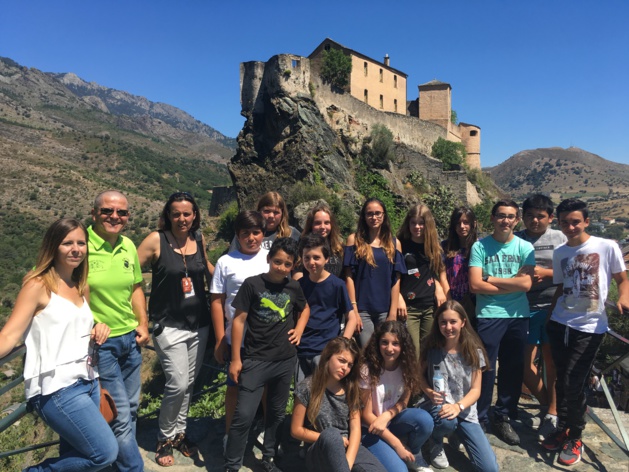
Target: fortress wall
{"x":417,"y":134}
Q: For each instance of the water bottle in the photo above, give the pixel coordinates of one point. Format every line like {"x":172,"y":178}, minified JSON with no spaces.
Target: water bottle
{"x":438,"y":383}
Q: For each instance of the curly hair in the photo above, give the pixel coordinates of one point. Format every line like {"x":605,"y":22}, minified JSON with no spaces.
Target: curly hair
{"x":362,"y":240}
{"x":469,"y":341}
{"x":322,"y":374}
{"x":372,"y":357}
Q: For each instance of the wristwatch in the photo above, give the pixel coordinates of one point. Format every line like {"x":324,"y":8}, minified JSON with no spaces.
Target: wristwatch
{"x":461,"y":406}
{"x":485,"y":278}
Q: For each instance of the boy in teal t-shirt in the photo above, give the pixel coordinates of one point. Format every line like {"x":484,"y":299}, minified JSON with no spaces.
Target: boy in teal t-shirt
{"x":501,"y":271}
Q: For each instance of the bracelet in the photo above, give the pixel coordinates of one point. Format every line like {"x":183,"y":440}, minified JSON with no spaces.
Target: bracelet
{"x":354,"y":303}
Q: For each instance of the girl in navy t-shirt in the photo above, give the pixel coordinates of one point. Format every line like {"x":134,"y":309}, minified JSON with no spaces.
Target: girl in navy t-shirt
{"x":373,"y":264}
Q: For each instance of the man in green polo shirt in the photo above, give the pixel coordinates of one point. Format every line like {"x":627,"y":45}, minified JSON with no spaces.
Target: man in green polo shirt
{"x":117,"y":299}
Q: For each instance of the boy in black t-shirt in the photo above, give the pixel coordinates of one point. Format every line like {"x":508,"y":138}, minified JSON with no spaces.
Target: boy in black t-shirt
{"x":275,"y":312}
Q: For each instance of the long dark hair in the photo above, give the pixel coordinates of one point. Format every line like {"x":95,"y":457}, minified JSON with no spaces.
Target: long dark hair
{"x":408,"y":358}
{"x":452,"y":245}
{"x":469,"y":341}
{"x":362,"y":242}
{"x":321,"y":376}
{"x":164,"y":220}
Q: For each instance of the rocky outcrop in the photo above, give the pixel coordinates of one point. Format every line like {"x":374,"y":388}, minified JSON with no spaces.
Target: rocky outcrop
{"x":285,"y":138}
{"x":298,"y":130}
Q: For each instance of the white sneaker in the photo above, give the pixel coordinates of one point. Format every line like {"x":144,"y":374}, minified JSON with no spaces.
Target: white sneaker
{"x":438,"y":457}
{"x":419,"y":465}
{"x":548,"y":427}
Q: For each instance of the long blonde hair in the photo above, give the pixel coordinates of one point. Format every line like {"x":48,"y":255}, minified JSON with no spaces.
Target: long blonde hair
{"x":322,"y":375}
{"x":274,"y":199}
{"x":361,"y":241}
{"x":45,"y":265}
{"x":432,"y":248}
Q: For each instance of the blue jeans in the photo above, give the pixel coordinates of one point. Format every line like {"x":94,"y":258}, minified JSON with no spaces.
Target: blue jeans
{"x":86,"y":442}
{"x":413,"y":424}
{"x":472,"y":437}
{"x":119,"y":370}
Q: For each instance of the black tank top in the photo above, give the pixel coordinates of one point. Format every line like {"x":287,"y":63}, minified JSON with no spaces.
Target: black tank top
{"x":167,"y":305}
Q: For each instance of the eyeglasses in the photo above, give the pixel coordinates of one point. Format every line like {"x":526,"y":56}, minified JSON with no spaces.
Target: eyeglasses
{"x":93,"y":358}
{"x":503,"y":216}
{"x":110,"y":211}
{"x":374,"y":214}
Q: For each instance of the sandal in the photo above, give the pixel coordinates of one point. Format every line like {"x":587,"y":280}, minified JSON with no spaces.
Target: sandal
{"x":163,"y":451}
{"x":184,"y":445}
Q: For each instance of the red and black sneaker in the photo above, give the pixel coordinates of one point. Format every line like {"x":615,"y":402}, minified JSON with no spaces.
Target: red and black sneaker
{"x":571,"y":452}
{"x":555,"y":441}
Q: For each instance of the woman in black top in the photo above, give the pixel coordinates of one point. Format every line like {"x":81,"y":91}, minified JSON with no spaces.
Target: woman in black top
{"x":179,"y":311}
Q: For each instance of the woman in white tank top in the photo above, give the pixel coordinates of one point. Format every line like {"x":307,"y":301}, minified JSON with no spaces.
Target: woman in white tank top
{"x":60,"y":374}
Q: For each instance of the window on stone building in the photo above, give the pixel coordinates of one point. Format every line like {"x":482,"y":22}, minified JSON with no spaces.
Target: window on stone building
{"x":395,"y":105}
{"x":295,"y":63}
{"x":473,"y":133}
{"x":366,"y":96}
{"x":381,"y":101}
{"x":327,"y":47}
{"x":381,"y":75}
{"x":365,"y":66}
{"x":395,"y":81}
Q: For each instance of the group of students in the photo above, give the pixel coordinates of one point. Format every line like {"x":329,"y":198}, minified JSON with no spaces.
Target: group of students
{"x":286,"y":314}
{"x":420,"y":310}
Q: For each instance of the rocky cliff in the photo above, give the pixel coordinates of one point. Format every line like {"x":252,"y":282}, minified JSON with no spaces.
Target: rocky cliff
{"x":298,"y":130}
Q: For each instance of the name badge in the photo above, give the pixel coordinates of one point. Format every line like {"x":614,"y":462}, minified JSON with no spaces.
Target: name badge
{"x":413,"y":271}
{"x":188,"y":288}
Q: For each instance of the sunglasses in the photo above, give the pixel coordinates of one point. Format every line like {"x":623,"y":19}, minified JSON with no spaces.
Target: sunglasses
{"x":110,"y":211}
{"x":93,"y":358}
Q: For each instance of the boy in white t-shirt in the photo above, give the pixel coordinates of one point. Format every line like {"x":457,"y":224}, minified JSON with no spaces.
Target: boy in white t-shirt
{"x":583,"y":268}
{"x":230,"y":272}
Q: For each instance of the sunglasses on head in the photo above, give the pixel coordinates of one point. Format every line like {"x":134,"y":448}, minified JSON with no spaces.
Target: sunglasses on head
{"x":180,"y":194}
{"x":110,"y":211}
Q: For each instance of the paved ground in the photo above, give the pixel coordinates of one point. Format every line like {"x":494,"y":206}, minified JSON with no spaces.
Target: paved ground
{"x":601,"y":453}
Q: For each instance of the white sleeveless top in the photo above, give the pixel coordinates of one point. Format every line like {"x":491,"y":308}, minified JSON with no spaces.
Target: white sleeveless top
{"x":57,"y":345}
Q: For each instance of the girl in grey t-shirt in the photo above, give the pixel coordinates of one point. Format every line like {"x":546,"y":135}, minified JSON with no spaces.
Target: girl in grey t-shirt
{"x":454,"y":346}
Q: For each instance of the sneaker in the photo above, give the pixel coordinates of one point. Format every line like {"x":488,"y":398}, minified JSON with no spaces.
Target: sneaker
{"x":555,"y":441}
{"x":438,"y":457}
{"x":268,"y":465}
{"x":571,"y":452}
{"x":419,"y":465}
{"x":548,"y":427}
{"x":502,"y":429}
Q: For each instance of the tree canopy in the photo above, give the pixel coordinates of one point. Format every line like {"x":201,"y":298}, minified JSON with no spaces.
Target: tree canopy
{"x":450,"y":153}
{"x":336,"y":68}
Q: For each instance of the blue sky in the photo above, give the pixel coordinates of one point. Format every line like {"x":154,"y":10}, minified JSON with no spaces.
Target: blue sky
{"x":531,"y":74}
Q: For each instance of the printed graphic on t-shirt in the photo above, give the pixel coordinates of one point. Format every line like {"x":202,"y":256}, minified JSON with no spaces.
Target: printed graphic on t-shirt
{"x":273,"y":307}
{"x":581,"y":282}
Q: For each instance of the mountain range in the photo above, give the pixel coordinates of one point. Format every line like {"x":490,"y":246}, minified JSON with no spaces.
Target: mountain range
{"x":64,"y":140}
{"x":564,"y":173}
